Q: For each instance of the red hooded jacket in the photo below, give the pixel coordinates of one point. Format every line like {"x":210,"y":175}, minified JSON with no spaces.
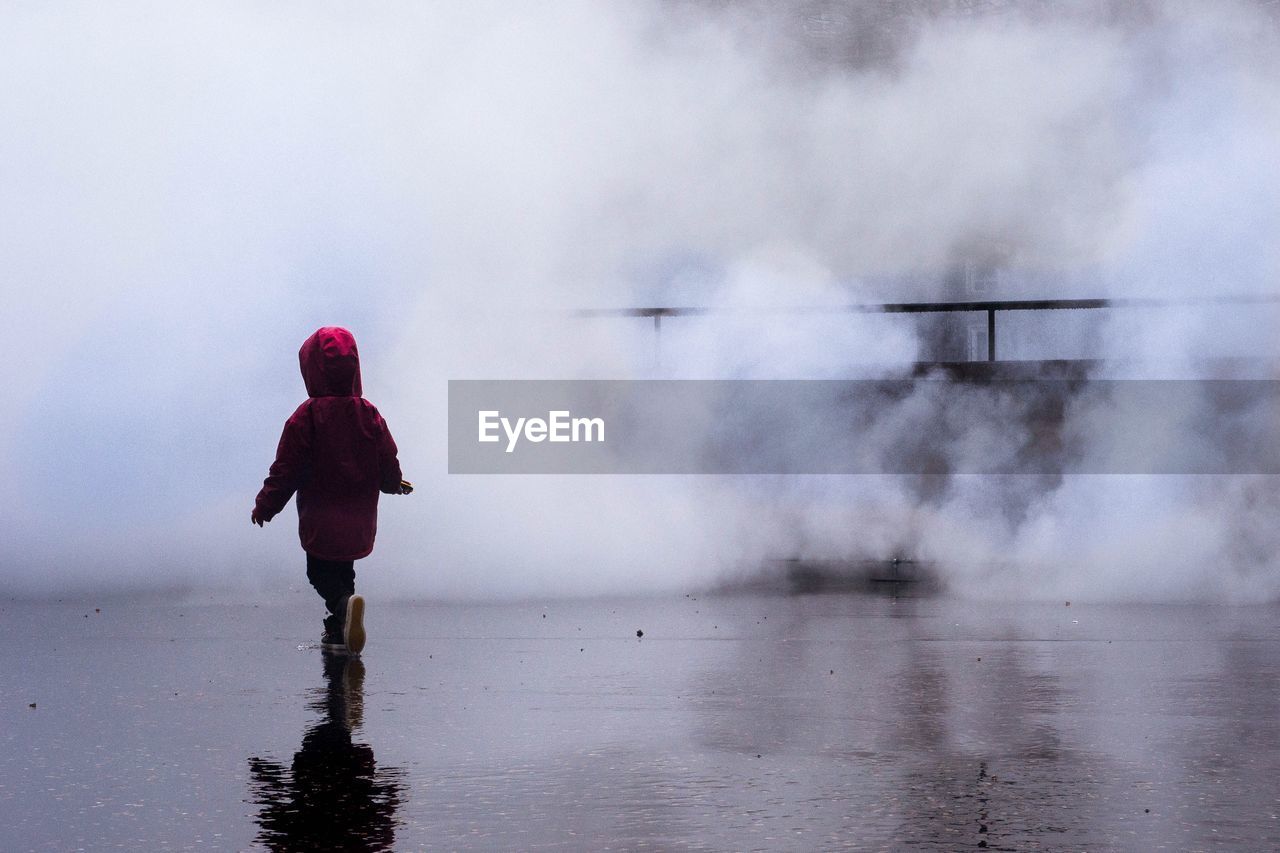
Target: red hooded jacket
{"x":336,"y":453}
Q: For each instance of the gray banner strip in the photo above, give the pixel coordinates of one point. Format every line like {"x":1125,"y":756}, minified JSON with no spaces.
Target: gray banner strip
{"x":925,"y":427}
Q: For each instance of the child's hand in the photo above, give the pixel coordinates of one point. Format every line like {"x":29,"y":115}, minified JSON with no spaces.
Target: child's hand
{"x":406,"y":487}
{"x":255,"y":518}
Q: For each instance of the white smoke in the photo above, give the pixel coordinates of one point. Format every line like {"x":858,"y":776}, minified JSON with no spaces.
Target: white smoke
{"x":193,"y":189}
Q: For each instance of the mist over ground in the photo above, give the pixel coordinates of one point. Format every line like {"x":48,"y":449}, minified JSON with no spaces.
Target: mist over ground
{"x":189,"y":191}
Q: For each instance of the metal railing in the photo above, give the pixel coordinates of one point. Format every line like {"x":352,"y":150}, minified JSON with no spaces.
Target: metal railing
{"x":990,"y":307}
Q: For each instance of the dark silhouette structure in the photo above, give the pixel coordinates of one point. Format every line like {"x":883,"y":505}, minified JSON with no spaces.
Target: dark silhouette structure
{"x":333,"y":797}
{"x":988,"y":307}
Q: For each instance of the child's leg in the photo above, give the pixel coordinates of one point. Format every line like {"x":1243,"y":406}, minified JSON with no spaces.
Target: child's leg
{"x":335,"y":580}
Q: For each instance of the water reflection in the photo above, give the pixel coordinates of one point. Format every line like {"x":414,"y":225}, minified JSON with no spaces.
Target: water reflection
{"x":333,"y":797}
{"x":885,"y":730}
{"x":1226,"y":770}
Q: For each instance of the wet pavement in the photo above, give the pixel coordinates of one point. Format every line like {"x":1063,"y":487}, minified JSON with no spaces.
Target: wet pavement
{"x":746,"y":722}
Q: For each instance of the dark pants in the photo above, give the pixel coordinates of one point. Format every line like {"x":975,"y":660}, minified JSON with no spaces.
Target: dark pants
{"x":335,"y":580}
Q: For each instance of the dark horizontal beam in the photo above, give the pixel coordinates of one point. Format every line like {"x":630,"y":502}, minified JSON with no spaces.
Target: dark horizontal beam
{"x":937,"y":307}
{"x":989,"y":305}
{"x":640,"y":312}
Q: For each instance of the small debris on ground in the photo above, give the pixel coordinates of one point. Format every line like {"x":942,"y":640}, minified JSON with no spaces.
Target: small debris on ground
{"x":639,"y":633}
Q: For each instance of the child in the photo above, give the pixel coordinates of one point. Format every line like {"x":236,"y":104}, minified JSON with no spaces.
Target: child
{"x":337,"y":454}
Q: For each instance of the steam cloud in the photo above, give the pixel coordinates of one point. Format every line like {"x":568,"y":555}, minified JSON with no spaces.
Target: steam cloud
{"x":191,"y":190}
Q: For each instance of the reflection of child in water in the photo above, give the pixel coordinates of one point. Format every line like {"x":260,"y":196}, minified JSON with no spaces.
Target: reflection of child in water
{"x":335,"y":798}
{"x":337,"y":453}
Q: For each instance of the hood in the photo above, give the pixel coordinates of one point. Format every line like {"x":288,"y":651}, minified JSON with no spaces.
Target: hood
{"x":330,"y":363}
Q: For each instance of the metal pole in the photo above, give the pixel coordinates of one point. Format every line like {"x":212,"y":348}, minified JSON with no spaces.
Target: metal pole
{"x":991,"y":334}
